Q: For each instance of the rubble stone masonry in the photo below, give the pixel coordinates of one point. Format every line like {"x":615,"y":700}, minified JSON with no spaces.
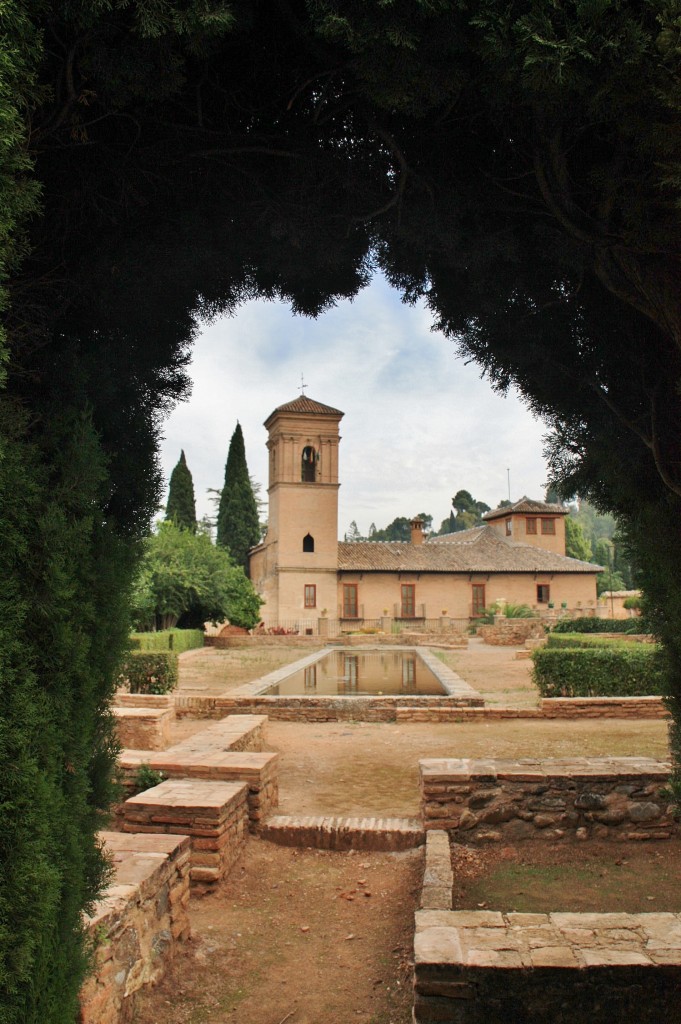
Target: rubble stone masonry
{"x":620,"y":798}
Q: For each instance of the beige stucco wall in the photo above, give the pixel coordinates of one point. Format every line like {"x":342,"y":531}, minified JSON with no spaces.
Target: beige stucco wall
{"x":439,"y":591}
{"x":547,"y":541}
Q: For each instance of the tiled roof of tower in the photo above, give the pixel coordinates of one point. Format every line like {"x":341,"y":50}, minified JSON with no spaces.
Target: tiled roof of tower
{"x":528,"y":506}
{"x":481,"y":549}
{"x":305,"y":404}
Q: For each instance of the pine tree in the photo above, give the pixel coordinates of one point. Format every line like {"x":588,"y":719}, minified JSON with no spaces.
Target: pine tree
{"x":238,"y":527}
{"x":181,"y":507}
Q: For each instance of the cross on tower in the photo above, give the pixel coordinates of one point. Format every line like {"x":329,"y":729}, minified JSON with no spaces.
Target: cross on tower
{"x":303,"y":385}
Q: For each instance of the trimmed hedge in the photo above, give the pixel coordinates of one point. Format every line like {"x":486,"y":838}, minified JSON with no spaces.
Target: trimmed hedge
{"x":588,"y":640}
{"x":177,"y":640}
{"x":626,"y":671}
{"x":148,"y":672}
{"x":591,"y":624}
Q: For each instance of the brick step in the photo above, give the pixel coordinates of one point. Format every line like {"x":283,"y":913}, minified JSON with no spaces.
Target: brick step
{"x":335,"y":833}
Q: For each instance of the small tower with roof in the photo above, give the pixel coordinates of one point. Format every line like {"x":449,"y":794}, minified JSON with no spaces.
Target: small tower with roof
{"x":294,"y":569}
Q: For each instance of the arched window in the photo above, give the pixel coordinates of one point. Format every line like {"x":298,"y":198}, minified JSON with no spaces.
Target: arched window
{"x":308,"y":542}
{"x":308,"y":471}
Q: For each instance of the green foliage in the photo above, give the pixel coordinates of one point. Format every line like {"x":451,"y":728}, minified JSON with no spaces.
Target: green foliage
{"x":589,"y":640}
{"x":147,"y":777}
{"x":184,"y":577}
{"x":635,"y":670}
{"x":238,"y":526}
{"x":177,"y":640}
{"x":576,"y":544}
{"x":609,"y":581}
{"x":633,"y":603}
{"x":592,"y":624}
{"x":181,"y":507}
{"x":518,"y":611}
{"x":147,"y":672}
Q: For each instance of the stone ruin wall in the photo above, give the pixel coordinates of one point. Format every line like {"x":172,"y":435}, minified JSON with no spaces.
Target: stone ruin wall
{"x":579,"y":798}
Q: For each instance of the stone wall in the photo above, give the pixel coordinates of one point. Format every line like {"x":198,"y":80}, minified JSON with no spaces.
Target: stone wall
{"x":144,"y":728}
{"x":606,"y":798}
{"x":603,"y":707}
{"x":137,"y":926}
{"x":511,"y":632}
{"x":485,"y":967}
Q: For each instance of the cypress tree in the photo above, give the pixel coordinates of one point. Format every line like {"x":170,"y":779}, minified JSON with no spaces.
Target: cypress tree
{"x":238,"y":527}
{"x":181,"y":507}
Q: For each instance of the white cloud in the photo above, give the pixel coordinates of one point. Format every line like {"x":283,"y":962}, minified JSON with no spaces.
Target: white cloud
{"x":419,"y":424}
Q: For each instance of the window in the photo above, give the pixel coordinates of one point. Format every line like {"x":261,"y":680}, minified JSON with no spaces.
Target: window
{"x":478,"y":598}
{"x":308,"y":542}
{"x":543,"y":593}
{"x":509,"y":527}
{"x":310,"y":595}
{"x":408,"y":603}
{"x":548,"y":526}
{"x":308,"y":471}
{"x":530,"y":526}
{"x":349,"y":600}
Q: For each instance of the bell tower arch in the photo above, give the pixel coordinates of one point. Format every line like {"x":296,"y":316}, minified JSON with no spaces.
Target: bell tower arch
{"x":295,"y":567}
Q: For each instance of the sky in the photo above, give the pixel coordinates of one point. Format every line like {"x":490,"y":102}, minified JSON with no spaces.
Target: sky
{"x":419,"y":423}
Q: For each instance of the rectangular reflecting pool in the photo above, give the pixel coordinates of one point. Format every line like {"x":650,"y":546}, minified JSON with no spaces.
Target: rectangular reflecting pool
{"x":361,"y":673}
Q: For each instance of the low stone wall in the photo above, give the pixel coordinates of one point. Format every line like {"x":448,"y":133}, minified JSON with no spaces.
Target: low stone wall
{"x":485,"y":967}
{"x":144,"y":700}
{"x":608,"y":798}
{"x":137,"y":926}
{"x":214,"y":814}
{"x":603,"y":707}
{"x":324,"y":832}
{"x":438,"y":878}
{"x":258,"y":770}
{"x":145,"y":728}
{"x":511,"y":632}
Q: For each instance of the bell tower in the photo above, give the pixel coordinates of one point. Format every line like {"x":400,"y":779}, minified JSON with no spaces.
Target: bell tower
{"x":295,"y":567}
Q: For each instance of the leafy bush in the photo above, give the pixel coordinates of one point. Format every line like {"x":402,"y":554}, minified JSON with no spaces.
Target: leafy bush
{"x":177,"y":640}
{"x":148,"y":672}
{"x":626,"y":671}
{"x":519,"y":611}
{"x":590,"y":624}
{"x":147,"y":777}
{"x":632,"y":602}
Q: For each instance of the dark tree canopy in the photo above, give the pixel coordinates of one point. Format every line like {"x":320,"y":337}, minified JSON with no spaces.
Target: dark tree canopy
{"x":238,"y":525}
{"x":515,"y":164}
{"x":181,"y":506}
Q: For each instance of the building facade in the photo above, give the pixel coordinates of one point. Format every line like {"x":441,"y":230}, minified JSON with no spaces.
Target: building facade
{"x":305,"y":574}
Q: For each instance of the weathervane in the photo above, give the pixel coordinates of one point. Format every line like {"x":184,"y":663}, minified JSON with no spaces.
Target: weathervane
{"x":303,"y":385}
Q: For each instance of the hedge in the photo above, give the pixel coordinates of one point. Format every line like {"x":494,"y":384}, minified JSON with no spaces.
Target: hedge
{"x":631,"y":671}
{"x":591,"y":624}
{"x":177,"y":640}
{"x":588,"y":640}
{"x":148,"y":672}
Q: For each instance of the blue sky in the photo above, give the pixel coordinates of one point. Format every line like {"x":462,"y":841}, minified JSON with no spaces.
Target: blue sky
{"x":419,"y":424}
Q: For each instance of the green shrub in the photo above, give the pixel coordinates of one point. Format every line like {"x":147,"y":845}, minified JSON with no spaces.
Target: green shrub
{"x":632,"y":602}
{"x":596,"y":625}
{"x":147,"y":777}
{"x":151,"y":672}
{"x":626,"y":671}
{"x":590,"y":640}
{"x":177,"y":640}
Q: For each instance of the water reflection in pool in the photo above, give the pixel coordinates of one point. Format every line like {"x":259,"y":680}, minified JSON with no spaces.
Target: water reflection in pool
{"x":361,"y":673}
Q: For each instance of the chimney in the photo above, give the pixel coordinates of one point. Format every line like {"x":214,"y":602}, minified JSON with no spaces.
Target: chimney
{"x":416,"y":531}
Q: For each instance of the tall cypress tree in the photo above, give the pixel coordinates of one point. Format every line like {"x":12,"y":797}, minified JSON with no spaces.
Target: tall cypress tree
{"x":238,"y":527}
{"x":181,"y":507}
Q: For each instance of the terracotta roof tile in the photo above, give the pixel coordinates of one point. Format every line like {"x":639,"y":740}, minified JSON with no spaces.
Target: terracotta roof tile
{"x":479,"y":550}
{"x":306,"y":405}
{"x":527,"y":505}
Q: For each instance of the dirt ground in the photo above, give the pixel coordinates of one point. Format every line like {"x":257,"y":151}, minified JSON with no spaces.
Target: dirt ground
{"x":290,"y":937}
{"x":297,"y":936}
{"x":595,"y":877}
